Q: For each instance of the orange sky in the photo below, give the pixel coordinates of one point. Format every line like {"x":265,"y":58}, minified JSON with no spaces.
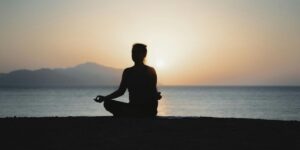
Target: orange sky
{"x":189,"y":41}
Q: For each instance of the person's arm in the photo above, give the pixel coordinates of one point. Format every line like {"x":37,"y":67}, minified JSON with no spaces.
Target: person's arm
{"x":156,"y":92}
{"x":121,"y":90}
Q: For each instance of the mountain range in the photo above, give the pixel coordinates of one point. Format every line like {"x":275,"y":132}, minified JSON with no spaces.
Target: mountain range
{"x":87,"y":74}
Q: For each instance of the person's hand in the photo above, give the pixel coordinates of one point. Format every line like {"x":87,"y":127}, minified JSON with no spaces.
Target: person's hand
{"x":158,"y":96}
{"x":99,"y":99}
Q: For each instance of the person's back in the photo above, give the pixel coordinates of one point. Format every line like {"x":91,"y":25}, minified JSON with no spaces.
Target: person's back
{"x":141,"y":84}
{"x":140,"y":80}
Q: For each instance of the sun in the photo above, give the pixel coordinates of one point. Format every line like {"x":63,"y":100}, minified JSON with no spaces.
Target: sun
{"x":160,"y":64}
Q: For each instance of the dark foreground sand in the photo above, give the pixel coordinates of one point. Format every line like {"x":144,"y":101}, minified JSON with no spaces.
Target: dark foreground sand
{"x":160,"y":133}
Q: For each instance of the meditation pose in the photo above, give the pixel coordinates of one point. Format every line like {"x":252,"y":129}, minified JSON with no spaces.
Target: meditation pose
{"x":140,"y":80}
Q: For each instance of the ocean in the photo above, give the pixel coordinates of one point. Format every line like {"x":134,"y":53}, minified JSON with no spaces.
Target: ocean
{"x":275,"y":103}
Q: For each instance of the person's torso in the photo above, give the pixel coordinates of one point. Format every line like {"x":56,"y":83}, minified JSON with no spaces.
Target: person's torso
{"x":141,"y":84}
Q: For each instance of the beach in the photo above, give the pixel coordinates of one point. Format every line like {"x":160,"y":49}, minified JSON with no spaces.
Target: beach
{"x":148,"y":133}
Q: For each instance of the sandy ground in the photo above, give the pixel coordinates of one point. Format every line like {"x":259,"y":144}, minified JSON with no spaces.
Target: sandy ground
{"x":148,"y":133}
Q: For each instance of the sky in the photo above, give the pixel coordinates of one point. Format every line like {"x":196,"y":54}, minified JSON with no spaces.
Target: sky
{"x":190,"y":42}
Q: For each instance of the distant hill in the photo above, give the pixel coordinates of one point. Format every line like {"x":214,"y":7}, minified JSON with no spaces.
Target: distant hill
{"x":87,"y":74}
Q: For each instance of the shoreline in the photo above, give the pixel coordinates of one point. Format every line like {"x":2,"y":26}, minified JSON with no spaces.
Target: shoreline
{"x":158,"y":117}
{"x":148,"y":133}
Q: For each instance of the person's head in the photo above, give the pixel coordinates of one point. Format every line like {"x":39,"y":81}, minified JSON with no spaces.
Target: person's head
{"x":139,"y":52}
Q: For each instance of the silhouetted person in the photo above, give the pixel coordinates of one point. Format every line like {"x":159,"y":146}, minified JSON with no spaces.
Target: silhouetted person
{"x":140,"y":80}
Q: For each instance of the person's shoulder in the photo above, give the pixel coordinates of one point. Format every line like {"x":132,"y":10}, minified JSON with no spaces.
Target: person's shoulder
{"x":150,"y":68}
{"x":128,"y":69}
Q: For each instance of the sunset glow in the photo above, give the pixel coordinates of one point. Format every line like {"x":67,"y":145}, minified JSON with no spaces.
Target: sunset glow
{"x":190,"y":42}
{"x":160,"y":64}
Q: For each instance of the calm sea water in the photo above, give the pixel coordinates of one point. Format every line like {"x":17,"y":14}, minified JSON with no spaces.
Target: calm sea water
{"x":281,"y":103}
